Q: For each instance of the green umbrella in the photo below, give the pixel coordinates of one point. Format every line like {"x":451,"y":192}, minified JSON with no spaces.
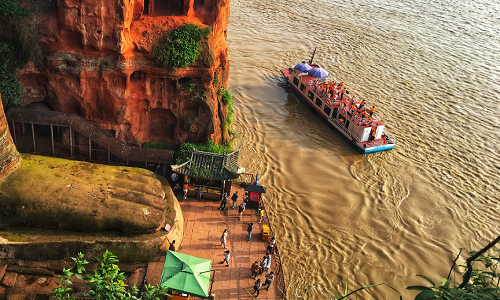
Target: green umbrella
{"x":186,"y":274}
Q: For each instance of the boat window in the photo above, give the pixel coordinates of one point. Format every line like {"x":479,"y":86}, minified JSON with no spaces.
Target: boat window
{"x":335,"y":110}
{"x":327,"y":110}
{"x":302,"y":87}
{"x":319,"y":102}
{"x":296,"y":81}
{"x":310,"y":95}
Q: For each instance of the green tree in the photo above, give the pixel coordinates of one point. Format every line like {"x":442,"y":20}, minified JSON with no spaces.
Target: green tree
{"x":480,"y":280}
{"x":105,"y":282}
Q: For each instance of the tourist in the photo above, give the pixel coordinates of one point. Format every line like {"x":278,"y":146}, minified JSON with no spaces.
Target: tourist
{"x":234,"y":197}
{"x":249,"y":230}
{"x":269,"y":280}
{"x":263,"y":264}
{"x":185,"y":188}
{"x":176,"y":189}
{"x":172,"y":246}
{"x":174,"y":177}
{"x":256,"y":287}
{"x":199,"y":193}
{"x":223,"y":202}
{"x":245,"y":200}
{"x":227,"y":255}
{"x":362,"y":104}
{"x":241,"y":209}
{"x":271,"y":245}
{"x":372,"y":110}
{"x":260,"y":212}
{"x":223,"y":239}
{"x":255,"y":269}
{"x":268,"y":264}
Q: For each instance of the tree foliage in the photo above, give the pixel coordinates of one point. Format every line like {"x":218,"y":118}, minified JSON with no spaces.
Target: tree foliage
{"x":184,"y":151}
{"x":181,"y":46}
{"x":11,"y":8}
{"x":483,"y":282}
{"x":12,"y":91}
{"x":105,"y":282}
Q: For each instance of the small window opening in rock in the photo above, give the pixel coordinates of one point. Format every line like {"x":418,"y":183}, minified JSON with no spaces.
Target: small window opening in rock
{"x":146,"y":7}
{"x":99,"y":31}
{"x":168,"y":8}
{"x":198,"y":4}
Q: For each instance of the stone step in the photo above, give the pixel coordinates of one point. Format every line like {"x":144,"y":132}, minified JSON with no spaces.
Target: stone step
{"x":3,"y":268}
{"x":9,"y":279}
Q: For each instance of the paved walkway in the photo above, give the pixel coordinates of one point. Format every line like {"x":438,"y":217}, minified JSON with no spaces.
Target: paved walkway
{"x":203,"y":227}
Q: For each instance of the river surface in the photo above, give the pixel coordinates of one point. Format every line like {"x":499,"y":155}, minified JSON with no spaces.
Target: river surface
{"x":432,"y":70}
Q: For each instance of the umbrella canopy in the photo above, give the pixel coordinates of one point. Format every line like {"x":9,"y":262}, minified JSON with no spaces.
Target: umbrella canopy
{"x":318,"y":73}
{"x":303,"y":67}
{"x":186,"y":274}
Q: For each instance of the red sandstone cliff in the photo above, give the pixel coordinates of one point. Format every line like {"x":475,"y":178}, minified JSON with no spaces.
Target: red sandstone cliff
{"x":9,"y":157}
{"x":99,"y":65}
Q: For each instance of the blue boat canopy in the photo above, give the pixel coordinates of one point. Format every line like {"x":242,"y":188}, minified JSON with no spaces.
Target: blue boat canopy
{"x":303,"y":67}
{"x":318,"y":73}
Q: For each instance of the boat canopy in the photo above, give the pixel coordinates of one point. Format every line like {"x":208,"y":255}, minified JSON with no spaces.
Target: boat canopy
{"x":318,"y":73}
{"x":303,"y":67}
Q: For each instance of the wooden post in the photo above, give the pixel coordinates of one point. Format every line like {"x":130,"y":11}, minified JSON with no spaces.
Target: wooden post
{"x":90,"y":149}
{"x":146,"y":164}
{"x":70,"y":142}
{"x":109,"y":156}
{"x":165,"y":170}
{"x":52,"y":138}
{"x":127,"y":161}
{"x":33,"y":134}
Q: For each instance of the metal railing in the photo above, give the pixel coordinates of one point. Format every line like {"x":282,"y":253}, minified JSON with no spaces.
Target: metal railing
{"x":279,"y":271}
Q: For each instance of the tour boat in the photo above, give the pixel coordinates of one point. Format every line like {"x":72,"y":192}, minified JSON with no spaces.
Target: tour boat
{"x":354,"y":121}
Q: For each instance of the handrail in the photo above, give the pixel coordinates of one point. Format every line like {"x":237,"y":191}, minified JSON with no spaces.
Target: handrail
{"x":280,"y":274}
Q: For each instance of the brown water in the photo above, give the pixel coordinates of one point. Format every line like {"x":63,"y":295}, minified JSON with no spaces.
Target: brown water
{"x":432,"y":70}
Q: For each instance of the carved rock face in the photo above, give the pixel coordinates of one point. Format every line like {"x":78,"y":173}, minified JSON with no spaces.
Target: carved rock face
{"x":56,"y":193}
{"x":9,"y":157}
{"x":99,"y":65}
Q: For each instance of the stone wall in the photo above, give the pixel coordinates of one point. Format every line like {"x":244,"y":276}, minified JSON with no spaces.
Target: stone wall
{"x":99,"y":65}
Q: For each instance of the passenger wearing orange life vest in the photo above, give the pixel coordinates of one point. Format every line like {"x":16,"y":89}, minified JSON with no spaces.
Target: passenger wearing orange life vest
{"x":362,"y":104}
{"x":373,"y":134}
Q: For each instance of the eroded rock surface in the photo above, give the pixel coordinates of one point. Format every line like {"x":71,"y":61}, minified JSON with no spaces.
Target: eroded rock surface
{"x":9,"y":157}
{"x":99,"y":65}
{"x":71,"y":195}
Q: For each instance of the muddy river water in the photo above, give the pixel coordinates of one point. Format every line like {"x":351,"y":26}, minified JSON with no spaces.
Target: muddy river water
{"x":432,"y":70}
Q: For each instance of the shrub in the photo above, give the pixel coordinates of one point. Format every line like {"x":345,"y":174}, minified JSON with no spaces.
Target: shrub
{"x":216,"y":80}
{"x":184,"y":151}
{"x":11,"y":8}
{"x":12,"y":91}
{"x":105,"y":282}
{"x":227,"y":98}
{"x":181,"y":47}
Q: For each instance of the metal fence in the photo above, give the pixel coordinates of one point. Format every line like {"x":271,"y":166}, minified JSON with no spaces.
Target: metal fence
{"x":280,"y":273}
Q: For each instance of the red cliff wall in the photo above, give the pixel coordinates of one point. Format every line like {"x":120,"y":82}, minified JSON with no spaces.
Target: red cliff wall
{"x":99,"y":65}
{"x":9,"y":157}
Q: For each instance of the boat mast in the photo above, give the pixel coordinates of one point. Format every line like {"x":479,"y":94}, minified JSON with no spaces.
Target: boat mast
{"x":312,"y":56}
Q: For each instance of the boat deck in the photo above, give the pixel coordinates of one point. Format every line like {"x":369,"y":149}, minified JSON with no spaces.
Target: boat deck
{"x":348,"y":105}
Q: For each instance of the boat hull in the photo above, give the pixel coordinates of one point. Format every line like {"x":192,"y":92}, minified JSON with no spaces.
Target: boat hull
{"x":346,"y":136}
